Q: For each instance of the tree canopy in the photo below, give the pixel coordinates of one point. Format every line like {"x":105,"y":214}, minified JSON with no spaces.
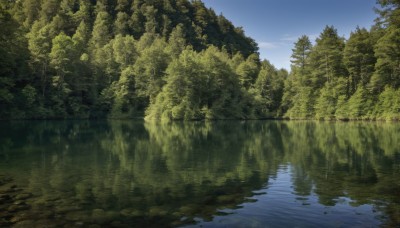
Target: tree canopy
{"x":178,"y":60}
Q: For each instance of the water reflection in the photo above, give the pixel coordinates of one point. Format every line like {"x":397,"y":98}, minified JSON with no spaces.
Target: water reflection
{"x":119,"y":173}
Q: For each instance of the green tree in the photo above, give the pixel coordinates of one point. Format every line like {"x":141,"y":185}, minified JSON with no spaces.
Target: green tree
{"x":101,"y":31}
{"x":40,"y":46}
{"x":326,"y":103}
{"x":248,"y":70}
{"x":388,"y":62}
{"x":175,"y":100}
{"x":301,"y":53}
{"x":31,"y":9}
{"x":63,"y":54}
{"x":137,"y":19}
{"x":121,"y":24}
{"x":297,"y":98}
{"x":359,"y":58}
{"x":125,"y":104}
{"x":84,"y":13}
{"x":326,"y":58}
{"x":269,"y":89}
{"x":124,"y":50}
{"x":177,"y":41}
{"x":123,"y":6}
{"x":358,"y":104}
{"x":388,"y":105}
{"x":49,"y":9}
{"x":150,"y":69}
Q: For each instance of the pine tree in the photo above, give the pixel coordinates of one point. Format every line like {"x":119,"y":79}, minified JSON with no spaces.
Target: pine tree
{"x":39,"y":40}
{"x":296,"y":90}
{"x":388,"y":62}
{"x":121,"y":24}
{"x":301,"y":53}
{"x":101,"y":34}
{"x":359,"y":58}
{"x":177,"y":41}
{"x":327,"y":58}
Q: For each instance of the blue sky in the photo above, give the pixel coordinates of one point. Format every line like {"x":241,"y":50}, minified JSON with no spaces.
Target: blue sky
{"x":276,"y":24}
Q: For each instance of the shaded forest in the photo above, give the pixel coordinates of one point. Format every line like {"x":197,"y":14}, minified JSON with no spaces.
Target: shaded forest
{"x":174,"y":60}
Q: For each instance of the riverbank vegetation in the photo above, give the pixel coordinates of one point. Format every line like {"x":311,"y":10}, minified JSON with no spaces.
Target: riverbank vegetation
{"x":175,"y":60}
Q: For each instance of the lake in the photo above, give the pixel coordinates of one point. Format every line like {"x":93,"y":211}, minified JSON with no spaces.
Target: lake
{"x":199,"y":174}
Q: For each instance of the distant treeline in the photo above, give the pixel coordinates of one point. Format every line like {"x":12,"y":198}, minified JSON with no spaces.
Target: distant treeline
{"x":167,"y":59}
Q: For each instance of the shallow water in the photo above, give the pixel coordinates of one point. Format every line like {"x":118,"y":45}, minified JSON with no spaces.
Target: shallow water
{"x":202,"y":174}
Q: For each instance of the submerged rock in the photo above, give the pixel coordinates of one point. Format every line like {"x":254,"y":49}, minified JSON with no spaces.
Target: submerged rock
{"x":23,"y":196}
{"x":24,"y":224}
{"x":126,"y":212}
{"x":157,"y":211}
{"x":76,"y":216}
{"x":65,"y":208}
{"x":15,"y":208}
{"x":98,"y":214}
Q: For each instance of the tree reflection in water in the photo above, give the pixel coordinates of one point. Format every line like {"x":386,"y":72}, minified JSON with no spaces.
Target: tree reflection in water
{"x":116,"y":173}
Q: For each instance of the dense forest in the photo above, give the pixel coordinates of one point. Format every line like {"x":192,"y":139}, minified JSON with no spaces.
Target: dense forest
{"x":172,"y":60}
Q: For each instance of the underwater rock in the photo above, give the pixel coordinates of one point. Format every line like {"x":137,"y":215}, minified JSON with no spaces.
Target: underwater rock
{"x":136,"y":213}
{"x":19,"y":202}
{"x":24,"y":224}
{"x":15,"y":208}
{"x":119,"y":224}
{"x":99,"y":216}
{"x":76,"y":216}
{"x":157,"y":211}
{"x":126,"y":212}
{"x":23,"y":196}
{"x":94,"y":226}
{"x":47,"y":223}
{"x":5,"y":215}
{"x":65,"y":208}
{"x":4,"y":198}
{"x":188,"y":209}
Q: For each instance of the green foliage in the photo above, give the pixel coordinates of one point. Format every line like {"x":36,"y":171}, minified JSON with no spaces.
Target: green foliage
{"x":199,"y":86}
{"x":179,"y":60}
{"x":388,"y":105}
{"x":325,"y":105}
{"x":359,"y":58}
{"x":150,"y":70}
{"x":268,"y":90}
{"x":388,"y":62}
{"x":248,"y":70}
{"x":301,"y":52}
{"x":327,"y":58}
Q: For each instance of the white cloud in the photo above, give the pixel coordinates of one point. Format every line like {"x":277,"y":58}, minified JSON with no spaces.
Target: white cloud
{"x":289,"y":38}
{"x":268,"y":45}
{"x":292,"y":39}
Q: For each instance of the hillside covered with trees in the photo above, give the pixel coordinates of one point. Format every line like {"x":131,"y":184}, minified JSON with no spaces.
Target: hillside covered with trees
{"x":177,"y":59}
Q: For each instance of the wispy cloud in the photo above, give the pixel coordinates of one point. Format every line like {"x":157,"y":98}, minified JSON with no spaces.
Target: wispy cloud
{"x":292,"y":39}
{"x":268,"y":45}
{"x":289,"y":38}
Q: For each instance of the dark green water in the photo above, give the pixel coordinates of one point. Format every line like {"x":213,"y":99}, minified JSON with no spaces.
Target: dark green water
{"x":214,"y":174}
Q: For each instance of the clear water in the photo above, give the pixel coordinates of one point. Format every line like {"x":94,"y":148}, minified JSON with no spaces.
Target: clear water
{"x":201,"y":174}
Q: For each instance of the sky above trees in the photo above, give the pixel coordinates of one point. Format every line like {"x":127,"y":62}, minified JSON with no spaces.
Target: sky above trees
{"x":276,"y":25}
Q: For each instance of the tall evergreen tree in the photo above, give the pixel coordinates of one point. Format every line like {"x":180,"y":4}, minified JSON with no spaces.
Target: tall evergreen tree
{"x":327,"y":58}
{"x":297,"y":98}
{"x":359,"y":58}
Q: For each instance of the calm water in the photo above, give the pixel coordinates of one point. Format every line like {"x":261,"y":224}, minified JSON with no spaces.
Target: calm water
{"x":214,"y":174}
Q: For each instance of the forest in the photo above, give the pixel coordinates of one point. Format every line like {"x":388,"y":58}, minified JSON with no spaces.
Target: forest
{"x":179,"y":60}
